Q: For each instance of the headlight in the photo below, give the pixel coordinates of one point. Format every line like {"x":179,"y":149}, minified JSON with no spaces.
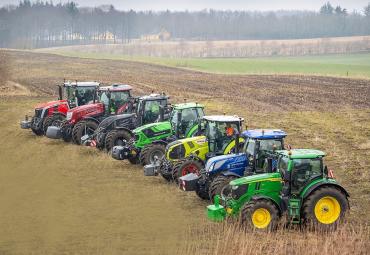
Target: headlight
{"x":69,"y":115}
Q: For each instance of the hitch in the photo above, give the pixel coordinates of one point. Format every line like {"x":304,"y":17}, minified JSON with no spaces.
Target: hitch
{"x":120,"y":152}
{"x":153,"y":169}
{"x":26,"y":123}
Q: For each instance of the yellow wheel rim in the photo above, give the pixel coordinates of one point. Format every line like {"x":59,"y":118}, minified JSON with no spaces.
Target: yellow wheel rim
{"x":327,"y":210}
{"x":261,"y":218}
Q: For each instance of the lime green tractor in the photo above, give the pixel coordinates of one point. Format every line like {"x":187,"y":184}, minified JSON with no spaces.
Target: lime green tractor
{"x":148,"y":142}
{"x":189,"y":155}
{"x":302,"y":188}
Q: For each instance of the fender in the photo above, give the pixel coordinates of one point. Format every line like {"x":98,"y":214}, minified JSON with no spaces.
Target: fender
{"x":228,"y":173}
{"x":321,"y":184}
{"x":162,"y":142}
{"x":262,"y":197}
{"x":196,"y":157}
{"x":126,"y":129}
{"x":193,"y":131}
{"x":92,"y":119}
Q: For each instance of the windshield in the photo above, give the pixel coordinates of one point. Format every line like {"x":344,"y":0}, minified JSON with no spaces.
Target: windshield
{"x":217,"y":136}
{"x":118,"y":101}
{"x":152,"y":110}
{"x":265,"y":145}
{"x":79,"y":95}
{"x":283,"y":165}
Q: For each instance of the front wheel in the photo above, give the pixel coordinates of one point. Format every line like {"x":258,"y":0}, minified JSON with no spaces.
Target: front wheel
{"x":150,"y":153}
{"x":220,"y":185}
{"x":84,"y":127}
{"x":116,"y":137}
{"x":260,"y":215}
{"x":186,"y":166}
{"x":325,"y":208}
{"x":52,"y":120}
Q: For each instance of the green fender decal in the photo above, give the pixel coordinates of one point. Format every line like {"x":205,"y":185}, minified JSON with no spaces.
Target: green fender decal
{"x":192,"y":131}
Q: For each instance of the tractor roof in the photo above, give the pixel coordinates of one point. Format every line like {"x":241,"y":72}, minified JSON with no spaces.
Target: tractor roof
{"x":302,"y":153}
{"x":187,"y":105}
{"x":117,"y":87}
{"x":154,"y":97}
{"x":223,"y":118}
{"x":82,"y":84}
{"x":264,"y":134}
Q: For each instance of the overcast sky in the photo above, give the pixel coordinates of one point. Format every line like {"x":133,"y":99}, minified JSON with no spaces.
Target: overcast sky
{"x":262,"y":5}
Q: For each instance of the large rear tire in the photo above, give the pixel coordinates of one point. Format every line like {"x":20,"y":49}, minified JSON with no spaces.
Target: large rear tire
{"x":260,"y":215}
{"x":52,"y":120}
{"x":186,"y":166}
{"x":219,"y":184}
{"x":82,"y":128}
{"x":325,"y":208}
{"x":116,"y":137}
{"x":150,"y":152}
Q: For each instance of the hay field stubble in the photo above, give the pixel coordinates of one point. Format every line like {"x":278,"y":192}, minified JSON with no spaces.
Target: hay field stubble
{"x":89,"y":203}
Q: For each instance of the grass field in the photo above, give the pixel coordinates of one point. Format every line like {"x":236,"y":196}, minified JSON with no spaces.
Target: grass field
{"x":349,"y":65}
{"x":60,"y":198}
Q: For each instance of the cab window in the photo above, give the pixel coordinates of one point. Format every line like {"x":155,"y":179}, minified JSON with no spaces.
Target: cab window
{"x":305,"y":170}
{"x":251,"y":144}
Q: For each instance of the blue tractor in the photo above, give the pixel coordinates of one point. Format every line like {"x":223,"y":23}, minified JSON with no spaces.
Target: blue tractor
{"x":219,"y":171}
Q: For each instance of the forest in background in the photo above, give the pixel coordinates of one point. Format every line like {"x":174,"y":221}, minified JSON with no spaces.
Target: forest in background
{"x":44,"y":24}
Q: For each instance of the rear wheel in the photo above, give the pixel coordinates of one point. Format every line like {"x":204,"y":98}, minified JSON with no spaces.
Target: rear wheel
{"x":186,"y":166}
{"x":220,"y":185}
{"x":325,"y":208}
{"x":52,"y":120}
{"x":261,"y":215}
{"x":150,"y":153}
{"x":84,"y":127}
{"x":116,"y":137}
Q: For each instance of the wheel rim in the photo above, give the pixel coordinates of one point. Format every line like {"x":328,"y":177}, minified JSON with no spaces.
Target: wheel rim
{"x":155,"y":155}
{"x":191,"y":168}
{"x":327,"y":210}
{"x":261,"y":218}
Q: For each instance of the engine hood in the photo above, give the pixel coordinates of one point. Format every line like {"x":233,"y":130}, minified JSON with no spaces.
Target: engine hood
{"x":257,"y":178}
{"x":84,"y":108}
{"x":156,"y":126}
{"x":50,"y":104}
{"x":107,"y":121}
{"x":220,"y":161}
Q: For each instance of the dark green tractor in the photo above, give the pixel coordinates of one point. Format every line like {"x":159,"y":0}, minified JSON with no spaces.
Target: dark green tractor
{"x":148,"y":142}
{"x":302,"y":189}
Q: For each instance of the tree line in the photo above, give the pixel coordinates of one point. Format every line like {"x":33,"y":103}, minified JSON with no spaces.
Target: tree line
{"x":44,"y":24}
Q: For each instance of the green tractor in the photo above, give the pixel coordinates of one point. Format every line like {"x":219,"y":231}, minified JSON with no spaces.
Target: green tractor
{"x":302,"y":188}
{"x":189,"y":155}
{"x":148,"y":142}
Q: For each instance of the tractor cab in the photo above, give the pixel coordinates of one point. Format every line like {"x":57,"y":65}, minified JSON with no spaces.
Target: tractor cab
{"x":151,"y":108}
{"x":220,"y":131}
{"x":184,"y":117}
{"x":78,"y":93}
{"x":259,"y":145}
{"x":116,"y":98}
{"x":71,"y":95}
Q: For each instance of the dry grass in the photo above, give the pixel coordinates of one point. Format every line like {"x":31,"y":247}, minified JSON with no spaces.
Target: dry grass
{"x":231,"y":239}
{"x":5,"y":72}
{"x":87,"y":203}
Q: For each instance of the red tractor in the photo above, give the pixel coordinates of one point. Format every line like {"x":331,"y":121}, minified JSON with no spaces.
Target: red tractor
{"x":71,"y":95}
{"x":84,"y":120}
